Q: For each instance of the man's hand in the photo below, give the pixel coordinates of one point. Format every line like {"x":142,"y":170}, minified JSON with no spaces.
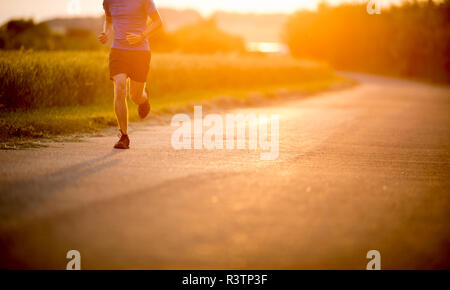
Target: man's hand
{"x":103,"y":37}
{"x":134,"y":39}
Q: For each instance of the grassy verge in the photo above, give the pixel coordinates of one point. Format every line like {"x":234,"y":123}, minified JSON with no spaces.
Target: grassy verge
{"x":52,"y":95}
{"x":34,"y":128}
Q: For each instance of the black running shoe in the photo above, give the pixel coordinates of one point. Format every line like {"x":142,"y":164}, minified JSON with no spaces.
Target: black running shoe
{"x":123,"y":143}
{"x":144,"y":109}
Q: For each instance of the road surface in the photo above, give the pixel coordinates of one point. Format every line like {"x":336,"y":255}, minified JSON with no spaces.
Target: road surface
{"x":359,"y":169}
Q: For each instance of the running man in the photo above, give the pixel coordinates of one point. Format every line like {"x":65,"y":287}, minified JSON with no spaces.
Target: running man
{"x":130,"y":55}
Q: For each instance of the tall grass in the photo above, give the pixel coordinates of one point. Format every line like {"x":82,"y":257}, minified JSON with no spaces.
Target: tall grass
{"x":52,"y":79}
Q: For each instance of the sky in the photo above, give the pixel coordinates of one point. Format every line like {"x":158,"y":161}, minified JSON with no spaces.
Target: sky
{"x":44,"y":9}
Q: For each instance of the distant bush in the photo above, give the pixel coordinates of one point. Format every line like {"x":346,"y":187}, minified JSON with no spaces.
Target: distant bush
{"x":202,"y":37}
{"x":17,"y":34}
{"x":25,"y":34}
{"x":412,"y":40}
{"x":206,"y":37}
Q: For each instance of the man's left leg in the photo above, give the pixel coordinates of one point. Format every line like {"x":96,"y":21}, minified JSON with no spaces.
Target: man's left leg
{"x":139,"y":96}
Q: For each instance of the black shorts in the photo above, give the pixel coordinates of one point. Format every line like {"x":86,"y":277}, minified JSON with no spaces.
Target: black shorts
{"x":134,"y":63}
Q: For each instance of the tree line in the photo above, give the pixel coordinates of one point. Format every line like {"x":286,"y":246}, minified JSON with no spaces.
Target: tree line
{"x":201,"y":37}
{"x":411,"y":40}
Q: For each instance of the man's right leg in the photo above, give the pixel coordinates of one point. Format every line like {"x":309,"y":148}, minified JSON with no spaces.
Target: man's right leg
{"x":120,"y":101}
{"x":121,"y":109}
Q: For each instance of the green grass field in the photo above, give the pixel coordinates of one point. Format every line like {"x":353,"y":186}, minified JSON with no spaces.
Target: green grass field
{"x":47,"y":94}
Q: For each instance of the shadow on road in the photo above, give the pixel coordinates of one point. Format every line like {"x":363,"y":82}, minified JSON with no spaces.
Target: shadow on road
{"x":21,"y":194}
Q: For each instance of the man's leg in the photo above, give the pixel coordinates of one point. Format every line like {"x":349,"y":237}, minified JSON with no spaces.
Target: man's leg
{"x":139,"y":96}
{"x":137,"y":92}
{"x":120,"y":101}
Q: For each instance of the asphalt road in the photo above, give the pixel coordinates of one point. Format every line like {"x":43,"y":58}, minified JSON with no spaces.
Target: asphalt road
{"x":359,"y":169}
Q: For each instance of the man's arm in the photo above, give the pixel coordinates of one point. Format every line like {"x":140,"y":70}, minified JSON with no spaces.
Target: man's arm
{"x":107,"y":30}
{"x":155,"y":25}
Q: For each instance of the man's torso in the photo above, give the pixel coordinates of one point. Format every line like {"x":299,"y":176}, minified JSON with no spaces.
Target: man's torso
{"x":129,"y":16}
